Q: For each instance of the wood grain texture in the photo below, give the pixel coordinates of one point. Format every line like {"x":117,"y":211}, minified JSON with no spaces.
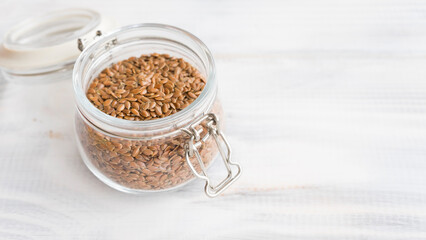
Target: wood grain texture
{"x":326,"y":111}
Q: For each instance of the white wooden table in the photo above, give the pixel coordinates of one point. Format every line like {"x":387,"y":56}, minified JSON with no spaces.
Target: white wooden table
{"x":326,"y":111}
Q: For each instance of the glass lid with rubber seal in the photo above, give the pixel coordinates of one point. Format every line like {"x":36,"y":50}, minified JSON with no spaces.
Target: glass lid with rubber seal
{"x":44,"y":48}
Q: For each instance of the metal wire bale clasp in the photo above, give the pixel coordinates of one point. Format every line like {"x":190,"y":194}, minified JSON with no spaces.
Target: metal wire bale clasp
{"x":82,"y":42}
{"x":195,"y":141}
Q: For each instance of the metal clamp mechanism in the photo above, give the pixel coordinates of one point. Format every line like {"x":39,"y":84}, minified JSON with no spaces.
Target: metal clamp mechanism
{"x":82,"y":42}
{"x":196,"y":141}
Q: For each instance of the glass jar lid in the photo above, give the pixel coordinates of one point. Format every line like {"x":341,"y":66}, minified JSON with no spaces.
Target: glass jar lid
{"x":45,"y":47}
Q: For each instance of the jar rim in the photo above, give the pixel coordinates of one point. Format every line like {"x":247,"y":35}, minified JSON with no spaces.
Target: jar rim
{"x":171,"y":121}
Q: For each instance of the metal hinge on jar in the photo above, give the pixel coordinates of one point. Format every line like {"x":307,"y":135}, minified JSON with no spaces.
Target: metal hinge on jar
{"x":196,"y":141}
{"x":82,"y":42}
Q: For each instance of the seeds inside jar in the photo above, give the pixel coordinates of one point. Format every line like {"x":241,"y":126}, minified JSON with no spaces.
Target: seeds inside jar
{"x":149,"y":87}
{"x":139,"y":89}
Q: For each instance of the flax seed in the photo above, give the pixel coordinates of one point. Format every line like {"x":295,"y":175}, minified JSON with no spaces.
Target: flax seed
{"x":134,"y":111}
{"x":135,"y":105}
{"x":127,"y":104}
{"x":147,"y":152}
{"x":192,"y":95}
{"x":120,"y":107}
{"x":108,"y":102}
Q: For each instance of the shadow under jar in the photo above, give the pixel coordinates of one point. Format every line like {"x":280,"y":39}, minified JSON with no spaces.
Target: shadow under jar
{"x":152,"y":155}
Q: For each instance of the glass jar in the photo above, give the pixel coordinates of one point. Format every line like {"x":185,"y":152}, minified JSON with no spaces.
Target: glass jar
{"x":154,"y":155}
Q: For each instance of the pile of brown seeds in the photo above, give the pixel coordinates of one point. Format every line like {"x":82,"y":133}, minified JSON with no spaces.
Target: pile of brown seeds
{"x":149,"y":87}
{"x":143,"y":165}
{"x":152,"y":86}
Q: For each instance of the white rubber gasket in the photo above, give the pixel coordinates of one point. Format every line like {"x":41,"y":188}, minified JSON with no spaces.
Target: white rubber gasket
{"x":47,"y":43}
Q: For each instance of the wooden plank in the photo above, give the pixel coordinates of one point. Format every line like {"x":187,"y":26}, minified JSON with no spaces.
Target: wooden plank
{"x":325,"y":107}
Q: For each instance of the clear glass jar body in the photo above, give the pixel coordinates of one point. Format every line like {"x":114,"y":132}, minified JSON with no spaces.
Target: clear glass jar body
{"x":143,"y":156}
